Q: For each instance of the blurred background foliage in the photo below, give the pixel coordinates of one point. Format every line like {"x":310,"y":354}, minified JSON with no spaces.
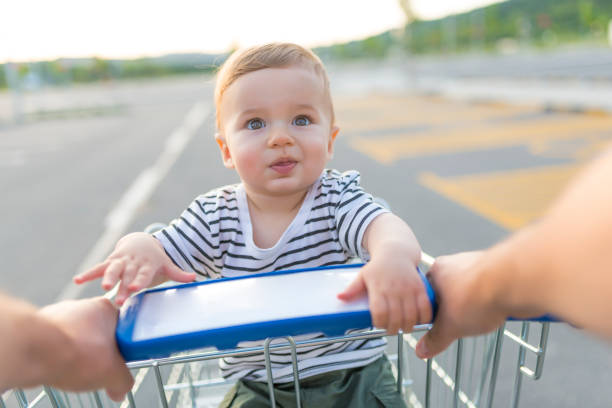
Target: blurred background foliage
{"x":504,"y":27}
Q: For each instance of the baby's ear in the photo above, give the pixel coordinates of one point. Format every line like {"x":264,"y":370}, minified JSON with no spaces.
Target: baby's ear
{"x":332,"y":138}
{"x":225,"y":153}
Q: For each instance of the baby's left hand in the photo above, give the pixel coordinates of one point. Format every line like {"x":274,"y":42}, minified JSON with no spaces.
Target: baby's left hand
{"x":397,"y":295}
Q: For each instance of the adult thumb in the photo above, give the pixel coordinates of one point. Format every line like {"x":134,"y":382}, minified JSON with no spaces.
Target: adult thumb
{"x":121,"y":384}
{"x":354,"y":290}
{"x":433,"y":342}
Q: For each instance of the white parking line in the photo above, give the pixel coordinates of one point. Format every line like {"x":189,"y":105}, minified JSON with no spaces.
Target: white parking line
{"x":122,"y":215}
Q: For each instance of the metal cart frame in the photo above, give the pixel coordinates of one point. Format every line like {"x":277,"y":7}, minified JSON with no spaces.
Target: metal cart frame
{"x":467,"y":372}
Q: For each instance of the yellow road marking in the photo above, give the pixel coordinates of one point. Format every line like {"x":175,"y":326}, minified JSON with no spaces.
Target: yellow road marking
{"x":510,"y":199}
{"x":412,"y":126}
{"x":377,"y":112}
{"x":389,"y":149}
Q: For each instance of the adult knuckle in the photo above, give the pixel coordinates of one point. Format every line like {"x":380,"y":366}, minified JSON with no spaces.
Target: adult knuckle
{"x":410,"y":322}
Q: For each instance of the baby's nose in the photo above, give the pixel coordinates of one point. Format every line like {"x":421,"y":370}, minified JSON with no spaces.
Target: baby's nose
{"x":279,"y":136}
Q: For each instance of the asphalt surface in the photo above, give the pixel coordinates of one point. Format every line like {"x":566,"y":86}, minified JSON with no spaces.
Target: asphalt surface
{"x":575,"y":63}
{"x":66,"y":168}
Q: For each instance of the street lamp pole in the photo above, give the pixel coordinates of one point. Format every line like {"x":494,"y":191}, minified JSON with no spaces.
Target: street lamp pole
{"x":409,"y":18}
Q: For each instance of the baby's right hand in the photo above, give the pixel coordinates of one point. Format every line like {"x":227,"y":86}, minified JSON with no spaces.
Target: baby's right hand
{"x":138,"y":261}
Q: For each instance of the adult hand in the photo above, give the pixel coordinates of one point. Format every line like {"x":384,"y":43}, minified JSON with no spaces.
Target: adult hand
{"x":94,"y":361}
{"x":465,"y":306}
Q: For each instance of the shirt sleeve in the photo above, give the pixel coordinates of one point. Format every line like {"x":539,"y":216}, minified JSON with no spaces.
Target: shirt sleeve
{"x":355,"y":210}
{"x":192,"y":240}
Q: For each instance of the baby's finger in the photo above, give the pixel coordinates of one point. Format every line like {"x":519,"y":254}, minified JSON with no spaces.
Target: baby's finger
{"x":177,"y":274}
{"x":395,"y":315}
{"x":128,"y":276}
{"x":143,"y":278}
{"x":93,"y":273}
{"x":129,"y":273}
{"x":112,"y":274}
{"x":424,"y":309}
{"x":355,"y":289}
{"x":122,"y":293}
{"x":410,"y":316}
{"x":379,"y":311}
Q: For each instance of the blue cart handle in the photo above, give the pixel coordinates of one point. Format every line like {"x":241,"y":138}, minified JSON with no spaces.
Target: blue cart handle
{"x":434,"y":302}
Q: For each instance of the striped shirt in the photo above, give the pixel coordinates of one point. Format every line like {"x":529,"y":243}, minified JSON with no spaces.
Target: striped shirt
{"x":213,"y":238}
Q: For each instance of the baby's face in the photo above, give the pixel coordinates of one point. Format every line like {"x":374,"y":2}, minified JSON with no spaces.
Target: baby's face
{"x":276,"y":129}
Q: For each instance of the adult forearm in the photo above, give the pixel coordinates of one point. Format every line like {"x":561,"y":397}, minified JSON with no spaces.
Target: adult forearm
{"x":563,"y":264}
{"x":32,"y":349}
{"x":510,"y":277}
{"x":560,"y":265}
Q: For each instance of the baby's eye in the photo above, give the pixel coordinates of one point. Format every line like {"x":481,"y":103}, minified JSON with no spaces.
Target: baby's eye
{"x":255,"y":124}
{"x":301,"y":121}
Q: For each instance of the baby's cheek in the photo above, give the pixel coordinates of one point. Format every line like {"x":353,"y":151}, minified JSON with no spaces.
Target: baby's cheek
{"x":248,"y":161}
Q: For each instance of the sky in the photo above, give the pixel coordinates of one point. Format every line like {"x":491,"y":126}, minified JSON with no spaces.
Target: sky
{"x":42,"y":29}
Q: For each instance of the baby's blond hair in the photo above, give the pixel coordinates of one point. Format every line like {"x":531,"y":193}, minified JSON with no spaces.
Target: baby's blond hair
{"x":273,"y":55}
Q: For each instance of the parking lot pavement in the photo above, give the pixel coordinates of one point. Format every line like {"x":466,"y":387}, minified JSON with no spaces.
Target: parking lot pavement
{"x":463,"y":174}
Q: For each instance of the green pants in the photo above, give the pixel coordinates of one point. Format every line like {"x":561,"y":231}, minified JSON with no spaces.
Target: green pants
{"x":371,"y":386}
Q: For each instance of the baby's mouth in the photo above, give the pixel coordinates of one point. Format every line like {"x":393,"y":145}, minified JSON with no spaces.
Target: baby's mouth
{"x":283,"y":166}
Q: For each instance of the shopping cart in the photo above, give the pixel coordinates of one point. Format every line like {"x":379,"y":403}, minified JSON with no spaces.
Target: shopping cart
{"x":465,"y":375}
